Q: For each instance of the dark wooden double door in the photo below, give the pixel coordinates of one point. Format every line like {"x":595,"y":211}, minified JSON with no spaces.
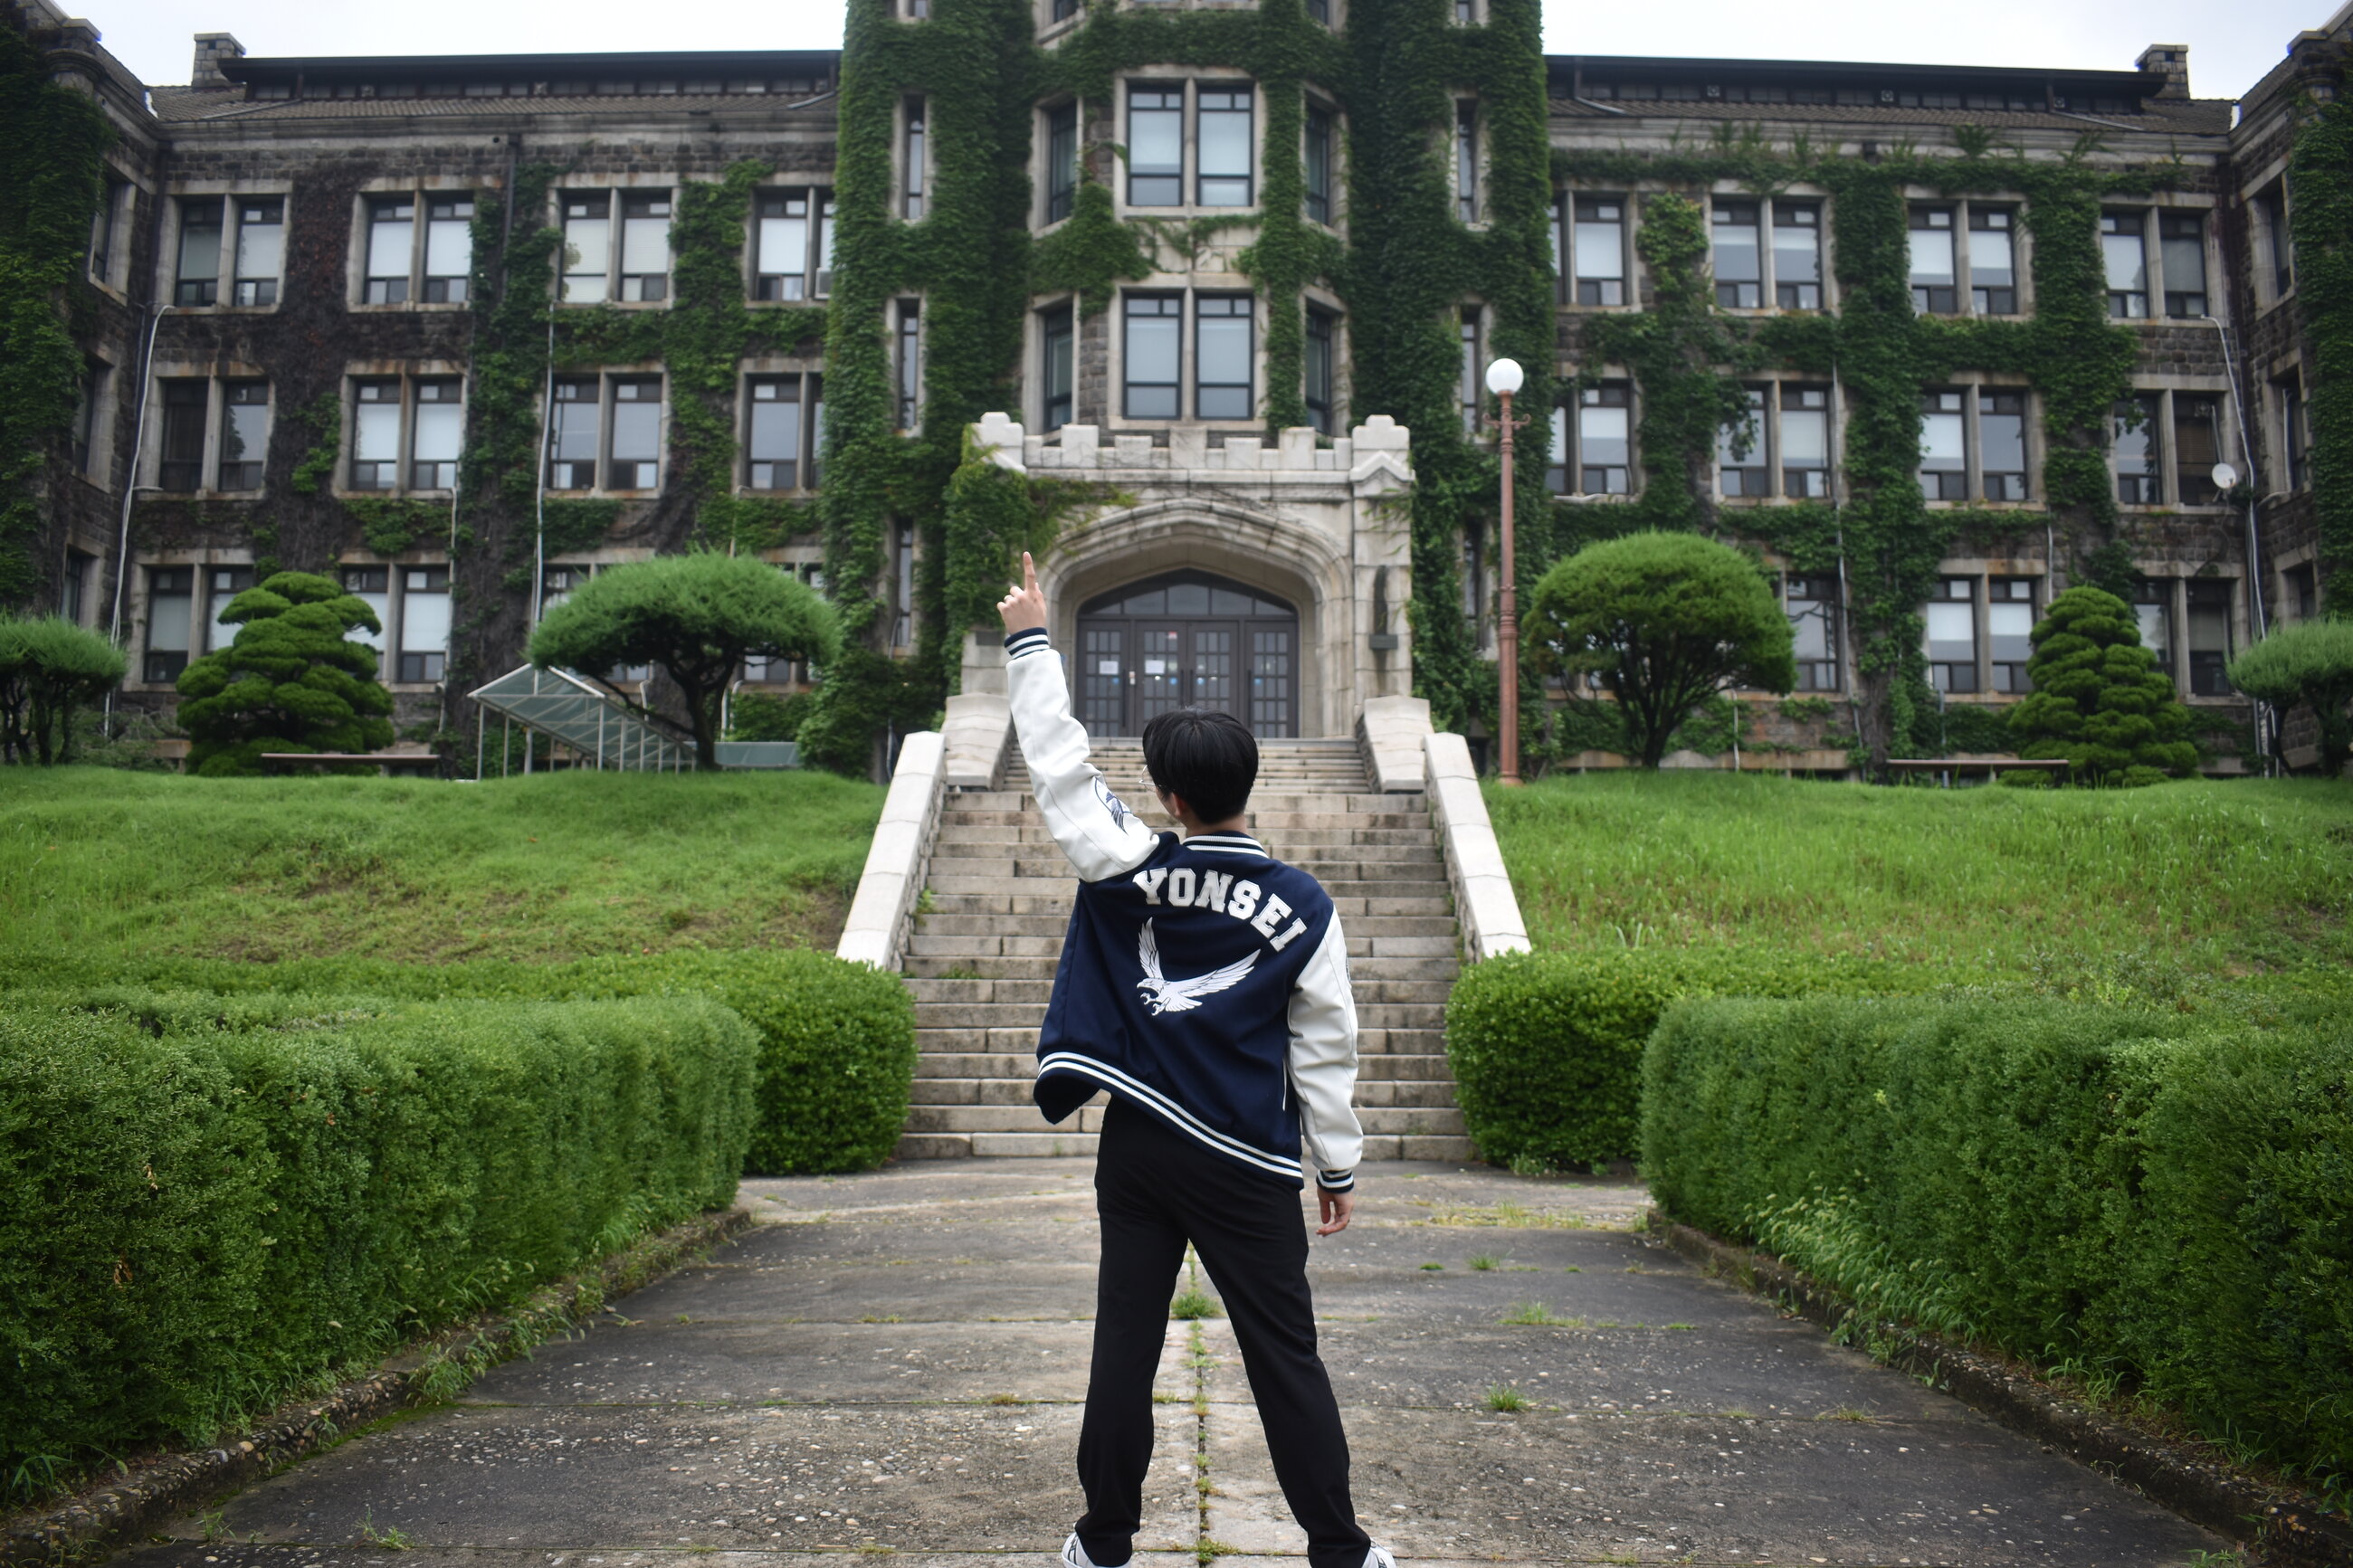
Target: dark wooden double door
{"x":1187,"y":639}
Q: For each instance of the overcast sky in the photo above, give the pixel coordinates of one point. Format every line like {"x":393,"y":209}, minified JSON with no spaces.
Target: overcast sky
{"x":2231,"y":42}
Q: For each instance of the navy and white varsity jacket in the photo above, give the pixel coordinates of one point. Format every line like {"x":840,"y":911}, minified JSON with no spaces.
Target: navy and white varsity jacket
{"x":1202,"y":980}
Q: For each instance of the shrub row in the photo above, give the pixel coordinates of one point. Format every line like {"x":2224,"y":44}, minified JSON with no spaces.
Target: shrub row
{"x":2165,"y":1201}
{"x":837,"y":1041}
{"x":208,"y":1206}
{"x":1546,"y":1048}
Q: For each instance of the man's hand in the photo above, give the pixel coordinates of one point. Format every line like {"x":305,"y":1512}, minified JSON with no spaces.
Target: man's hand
{"x":1024,"y":607}
{"x":1335,"y":1208}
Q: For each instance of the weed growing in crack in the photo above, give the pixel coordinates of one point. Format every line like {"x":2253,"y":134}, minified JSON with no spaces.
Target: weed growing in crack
{"x":1503,"y":1397}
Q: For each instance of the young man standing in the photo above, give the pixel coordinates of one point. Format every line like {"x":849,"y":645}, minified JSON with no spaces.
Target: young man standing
{"x":1205,"y":985}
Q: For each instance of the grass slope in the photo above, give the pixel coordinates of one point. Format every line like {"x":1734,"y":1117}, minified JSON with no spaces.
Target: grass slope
{"x":544,"y":869}
{"x":2220,"y":878}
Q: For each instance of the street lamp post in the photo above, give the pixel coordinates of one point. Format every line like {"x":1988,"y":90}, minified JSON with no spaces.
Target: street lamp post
{"x":1504,"y":378}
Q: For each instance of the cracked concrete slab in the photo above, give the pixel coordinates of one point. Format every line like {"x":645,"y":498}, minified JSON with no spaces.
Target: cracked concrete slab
{"x":892,"y":1361}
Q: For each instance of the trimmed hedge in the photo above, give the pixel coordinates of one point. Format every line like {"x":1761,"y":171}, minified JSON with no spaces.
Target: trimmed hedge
{"x":1546,"y":1048}
{"x":837,"y":1041}
{"x":208,"y":1206}
{"x":2131,"y":1193}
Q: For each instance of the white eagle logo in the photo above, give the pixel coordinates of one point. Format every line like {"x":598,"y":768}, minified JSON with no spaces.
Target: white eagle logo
{"x":1166,"y":995}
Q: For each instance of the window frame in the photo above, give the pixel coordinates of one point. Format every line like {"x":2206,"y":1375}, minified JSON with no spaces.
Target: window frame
{"x":1468,"y":210}
{"x":432,"y":667}
{"x":914,"y":159}
{"x":156,"y":664}
{"x":1128,"y":384}
{"x":1057,"y":324}
{"x":2163,"y":288}
{"x":1225,"y":311}
{"x":805,"y":402}
{"x":1572,"y":278}
{"x":1568,"y":438}
{"x":907,"y":334}
{"x":2122,"y":223}
{"x":1964,"y":407}
{"x":1758,"y":460}
{"x":1197,"y":91}
{"x":224,"y":289}
{"x":616,"y":200}
{"x":1137,"y":171}
{"x":252,"y":472}
{"x":1830,"y":611}
{"x":1061,"y":172}
{"x":1322,"y":353}
{"x":1320,"y":129}
{"x":603,"y":465}
{"x":814,"y":277}
{"x":1973,"y":585}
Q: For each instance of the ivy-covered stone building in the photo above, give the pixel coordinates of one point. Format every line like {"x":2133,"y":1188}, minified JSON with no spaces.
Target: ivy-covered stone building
{"x":1193,"y":297}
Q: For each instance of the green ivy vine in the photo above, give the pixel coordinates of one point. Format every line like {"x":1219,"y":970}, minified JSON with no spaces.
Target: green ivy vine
{"x":2320,"y":182}
{"x":1687,"y":359}
{"x":53,"y":142}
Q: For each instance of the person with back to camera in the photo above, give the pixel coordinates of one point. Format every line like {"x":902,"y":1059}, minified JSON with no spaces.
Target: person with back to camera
{"x":1204,"y":984}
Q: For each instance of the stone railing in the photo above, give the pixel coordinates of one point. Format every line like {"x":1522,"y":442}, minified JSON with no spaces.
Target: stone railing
{"x":1484,"y":905}
{"x":884,"y":909}
{"x":1393,"y":732}
{"x":1380,"y":443}
{"x":978,"y":732}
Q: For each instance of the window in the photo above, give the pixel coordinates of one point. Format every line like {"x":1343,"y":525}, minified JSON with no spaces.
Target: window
{"x":1061,"y":160}
{"x":1319,"y":162}
{"x":1153,"y":354}
{"x":2135,"y":452}
{"x":2197,"y":447}
{"x":371,"y":586}
{"x":438,"y":429}
{"x":1605,"y":439}
{"x":781,"y":255}
{"x":1060,"y":379}
{"x":74,"y":586}
{"x":1805,"y":442}
{"x":260,"y":247}
{"x":185,"y":405}
{"x":1224,"y":122}
{"x":1812,"y":603}
{"x":376,"y":436}
{"x":171,"y":617}
{"x":1952,"y":639}
{"x":1935,"y":281}
{"x":424,"y":622}
{"x":2153,"y":609}
{"x":2293,"y":434}
{"x":1222,"y":357}
{"x":1466,"y":161}
{"x":90,"y":398}
{"x":106,"y":228}
{"x":2181,"y":255}
{"x":559,"y":583}
{"x":645,"y":247}
{"x":1740,"y":264}
{"x":1320,"y":11}
{"x":572,"y":431}
{"x":636,"y":435}
{"x":1598,"y":249}
{"x":902,"y":584}
{"x":448,"y":248}
{"x":1796,"y":256}
{"x":391,"y":246}
{"x":1322,"y":402}
{"x":2300,"y":588}
{"x":2009,"y":628}
{"x":2125,"y":249}
{"x":245,"y":433}
{"x":1155,"y":148}
{"x":817,"y":430}
{"x":2209,"y":637}
{"x":910,"y":362}
{"x":2001,"y":445}
{"x":1065,"y":9}
{"x":2271,"y":220}
{"x":1993,"y":261}
{"x":587,"y":247}
{"x":1742,"y":466}
{"x":772,"y":435}
{"x":199,"y":279}
{"x":1469,"y":390}
{"x":222,"y":586}
{"x":1944,"y":448}
{"x":912,"y":165}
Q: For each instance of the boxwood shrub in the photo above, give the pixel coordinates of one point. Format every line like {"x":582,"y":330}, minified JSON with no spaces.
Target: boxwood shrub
{"x":837,"y":1041}
{"x":1546,"y":1048}
{"x":2164,"y":1199}
{"x":207,"y":1207}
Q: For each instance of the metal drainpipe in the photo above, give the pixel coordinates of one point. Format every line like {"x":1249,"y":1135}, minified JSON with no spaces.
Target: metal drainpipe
{"x":1846,"y":616}
{"x":130,"y":487}
{"x":2264,"y":718}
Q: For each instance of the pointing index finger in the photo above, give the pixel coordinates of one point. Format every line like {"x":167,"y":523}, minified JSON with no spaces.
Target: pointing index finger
{"x":1029,"y":574}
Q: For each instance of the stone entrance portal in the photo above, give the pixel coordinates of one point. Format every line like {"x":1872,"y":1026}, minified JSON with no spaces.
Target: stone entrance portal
{"x":1187,"y":639}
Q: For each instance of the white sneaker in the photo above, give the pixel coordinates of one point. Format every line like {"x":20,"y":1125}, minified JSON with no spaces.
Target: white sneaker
{"x":1073,"y":1554}
{"x":1375,"y":1557}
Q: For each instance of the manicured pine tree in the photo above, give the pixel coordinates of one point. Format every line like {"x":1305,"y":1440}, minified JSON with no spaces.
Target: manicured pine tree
{"x":292,"y":681}
{"x":2306,"y":664}
{"x":2099,"y":700}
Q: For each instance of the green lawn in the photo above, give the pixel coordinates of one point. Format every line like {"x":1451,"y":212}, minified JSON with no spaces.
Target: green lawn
{"x":2220,"y":878}
{"x":544,"y":869}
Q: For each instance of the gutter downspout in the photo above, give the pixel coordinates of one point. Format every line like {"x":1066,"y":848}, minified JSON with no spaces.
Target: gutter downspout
{"x":131,"y":489}
{"x":2265,"y":719}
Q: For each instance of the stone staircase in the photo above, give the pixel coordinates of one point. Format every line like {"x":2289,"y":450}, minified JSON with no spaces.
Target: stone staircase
{"x":981,"y":960}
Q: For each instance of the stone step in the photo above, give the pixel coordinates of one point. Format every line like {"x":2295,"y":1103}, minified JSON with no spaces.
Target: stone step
{"x":1013,"y":927}
{"x":1430,"y":905}
{"x":1031,"y":980}
{"x":1424,"y":1146}
{"x":1422,"y":867}
{"x":972,"y":944}
{"x":1261,"y":800}
{"x":1026,"y":1117}
{"x":1013,"y":1053}
{"x":1428,"y":1015}
{"x":954,"y":819}
{"x":1287,"y":842}
{"x":1041,"y":859}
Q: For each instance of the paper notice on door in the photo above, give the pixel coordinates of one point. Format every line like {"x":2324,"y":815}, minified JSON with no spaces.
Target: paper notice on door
{"x":1155,"y":667}
{"x":1107,"y":667}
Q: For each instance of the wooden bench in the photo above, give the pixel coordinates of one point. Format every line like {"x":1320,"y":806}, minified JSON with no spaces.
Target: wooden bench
{"x":1947,"y":766}
{"x":388,"y":763}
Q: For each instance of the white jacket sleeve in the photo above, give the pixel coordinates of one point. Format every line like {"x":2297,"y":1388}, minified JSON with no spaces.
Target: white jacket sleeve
{"x":1323,"y":1062}
{"x":1093,"y":826}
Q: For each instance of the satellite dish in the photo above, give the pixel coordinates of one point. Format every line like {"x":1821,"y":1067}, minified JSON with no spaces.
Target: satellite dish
{"x":2225,"y":477}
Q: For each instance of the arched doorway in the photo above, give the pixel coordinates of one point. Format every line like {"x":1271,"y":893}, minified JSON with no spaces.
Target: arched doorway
{"x":1187,"y":639}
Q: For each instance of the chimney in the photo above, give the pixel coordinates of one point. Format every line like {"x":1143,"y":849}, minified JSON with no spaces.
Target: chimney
{"x":2170,"y":61}
{"x":211,"y":49}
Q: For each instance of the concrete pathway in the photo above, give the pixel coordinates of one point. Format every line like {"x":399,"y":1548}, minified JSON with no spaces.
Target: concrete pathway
{"x":891,"y":1364}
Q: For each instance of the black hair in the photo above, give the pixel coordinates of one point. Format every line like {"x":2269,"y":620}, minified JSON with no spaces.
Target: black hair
{"x":1207,"y":758}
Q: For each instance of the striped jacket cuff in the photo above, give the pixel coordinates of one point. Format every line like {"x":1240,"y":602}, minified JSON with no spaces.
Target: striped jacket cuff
{"x":1023,"y":643}
{"x":1337,"y":1181}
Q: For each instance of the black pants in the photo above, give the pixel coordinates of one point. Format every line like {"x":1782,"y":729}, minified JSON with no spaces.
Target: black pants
{"x":1156,"y":1189}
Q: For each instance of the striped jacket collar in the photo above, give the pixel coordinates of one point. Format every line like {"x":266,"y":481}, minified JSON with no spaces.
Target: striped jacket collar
{"x":1226,"y":843}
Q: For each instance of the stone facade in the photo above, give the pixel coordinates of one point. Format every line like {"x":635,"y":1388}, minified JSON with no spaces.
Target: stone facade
{"x":1312,"y":520}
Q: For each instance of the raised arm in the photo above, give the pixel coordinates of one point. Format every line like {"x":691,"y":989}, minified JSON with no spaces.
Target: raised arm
{"x":1095,"y":827}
